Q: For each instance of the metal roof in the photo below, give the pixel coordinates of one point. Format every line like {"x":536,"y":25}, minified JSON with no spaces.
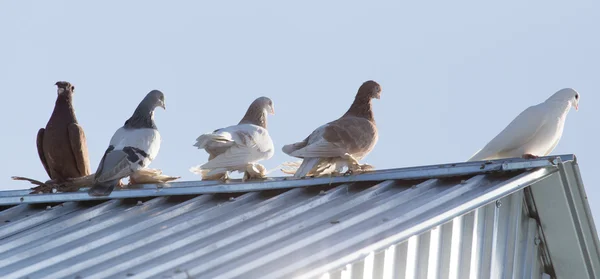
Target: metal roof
{"x":283,"y":228}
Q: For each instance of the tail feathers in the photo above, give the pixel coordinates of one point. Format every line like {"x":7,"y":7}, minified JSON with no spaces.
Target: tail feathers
{"x":102,"y":189}
{"x":307,"y":166}
{"x":204,"y":140}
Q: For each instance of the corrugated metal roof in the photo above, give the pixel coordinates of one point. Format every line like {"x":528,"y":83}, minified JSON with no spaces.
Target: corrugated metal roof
{"x":277,"y":229}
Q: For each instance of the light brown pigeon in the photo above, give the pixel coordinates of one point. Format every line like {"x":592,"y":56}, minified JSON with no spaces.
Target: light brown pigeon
{"x":533,"y":133}
{"x":62,"y":146}
{"x":340,"y":143}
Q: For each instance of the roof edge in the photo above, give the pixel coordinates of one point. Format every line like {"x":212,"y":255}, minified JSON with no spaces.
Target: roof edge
{"x":15,"y":197}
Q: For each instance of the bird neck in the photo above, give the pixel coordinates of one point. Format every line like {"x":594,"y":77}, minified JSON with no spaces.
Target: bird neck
{"x":256,"y":117}
{"x":361,"y":107}
{"x":143,"y":117}
{"x":561,"y":107}
{"x":64,"y":106}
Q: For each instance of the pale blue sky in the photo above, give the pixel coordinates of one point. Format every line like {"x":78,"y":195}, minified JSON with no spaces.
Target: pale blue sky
{"x":453,"y":73}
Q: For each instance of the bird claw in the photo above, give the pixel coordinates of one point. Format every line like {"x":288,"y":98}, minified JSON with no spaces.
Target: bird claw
{"x":529,"y":156}
{"x":358,"y":169}
{"x":254,"y":171}
{"x":150,"y":176}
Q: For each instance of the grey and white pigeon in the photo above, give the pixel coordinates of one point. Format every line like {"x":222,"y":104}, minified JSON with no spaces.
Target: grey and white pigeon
{"x":535,"y":132}
{"x":62,"y":146}
{"x":131,"y":148}
{"x":239,"y":147}
{"x":340,"y":143}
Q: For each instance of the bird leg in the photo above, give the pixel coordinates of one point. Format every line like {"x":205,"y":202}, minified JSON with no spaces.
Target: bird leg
{"x":354,"y":166}
{"x":529,"y":156}
{"x":219,"y":176}
{"x":70,"y":185}
{"x":254,"y":171}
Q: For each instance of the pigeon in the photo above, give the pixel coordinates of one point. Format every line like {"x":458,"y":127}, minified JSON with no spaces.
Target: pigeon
{"x":535,"y":132}
{"x":62,"y":146}
{"x":239,"y":147}
{"x":340,"y":143}
{"x":131,"y":148}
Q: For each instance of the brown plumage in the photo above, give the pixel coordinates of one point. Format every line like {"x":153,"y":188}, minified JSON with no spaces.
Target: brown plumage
{"x":255,"y":114}
{"x":342,"y":142}
{"x":62,"y":145}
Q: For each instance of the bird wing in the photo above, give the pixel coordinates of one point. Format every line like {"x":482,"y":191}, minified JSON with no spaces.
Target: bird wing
{"x":115,"y":165}
{"x":289,"y":148}
{"x":79,"y":148}
{"x":520,"y":131}
{"x":40,"y":149}
{"x":251,"y":143}
{"x":346,"y":135}
{"x":215,"y":143}
{"x":129,"y":150}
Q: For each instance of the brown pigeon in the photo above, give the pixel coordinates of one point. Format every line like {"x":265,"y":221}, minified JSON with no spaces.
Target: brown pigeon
{"x":62,"y":146}
{"x":340,"y":143}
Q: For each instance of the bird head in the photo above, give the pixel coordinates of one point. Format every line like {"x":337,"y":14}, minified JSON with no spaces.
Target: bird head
{"x":64,"y":87}
{"x":155,"y":99}
{"x":370,"y":89}
{"x":265,"y":104}
{"x":567,"y":95}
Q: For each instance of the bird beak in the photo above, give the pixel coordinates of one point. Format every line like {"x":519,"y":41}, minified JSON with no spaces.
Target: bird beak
{"x":378,"y":96}
{"x":272,"y":110}
{"x":577,"y":107}
{"x":163,"y":105}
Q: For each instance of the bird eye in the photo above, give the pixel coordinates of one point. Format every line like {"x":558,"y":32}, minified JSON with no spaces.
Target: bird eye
{"x":577,"y":97}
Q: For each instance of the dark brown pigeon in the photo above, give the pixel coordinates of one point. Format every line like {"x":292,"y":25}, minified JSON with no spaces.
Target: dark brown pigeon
{"x":340,"y":143}
{"x":62,"y":146}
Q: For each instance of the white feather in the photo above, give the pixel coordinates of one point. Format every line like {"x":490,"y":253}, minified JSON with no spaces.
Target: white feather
{"x":248,"y":144}
{"x":146,"y":139}
{"x":115,"y":164}
{"x":536,"y":131}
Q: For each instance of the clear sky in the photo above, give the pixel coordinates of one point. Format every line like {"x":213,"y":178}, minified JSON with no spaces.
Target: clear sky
{"x":453,"y":73}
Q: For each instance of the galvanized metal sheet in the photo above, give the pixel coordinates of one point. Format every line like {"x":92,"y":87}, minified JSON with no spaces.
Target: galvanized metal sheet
{"x":473,"y":226}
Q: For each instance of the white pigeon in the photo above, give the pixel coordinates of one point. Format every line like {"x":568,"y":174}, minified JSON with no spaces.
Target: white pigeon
{"x":340,"y":143}
{"x":239,"y":147}
{"x":131,"y":148}
{"x":535,"y":132}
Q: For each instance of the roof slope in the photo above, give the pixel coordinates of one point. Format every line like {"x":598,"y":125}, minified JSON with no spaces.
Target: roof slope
{"x":276,"y":229}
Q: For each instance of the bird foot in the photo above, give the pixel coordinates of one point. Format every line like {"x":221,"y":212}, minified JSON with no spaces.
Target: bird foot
{"x":150,"y":176}
{"x":529,"y":156}
{"x":360,"y":168}
{"x":217,"y":177}
{"x":351,"y":160}
{"x":254,"y":171}
{"x":290,"y":167}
